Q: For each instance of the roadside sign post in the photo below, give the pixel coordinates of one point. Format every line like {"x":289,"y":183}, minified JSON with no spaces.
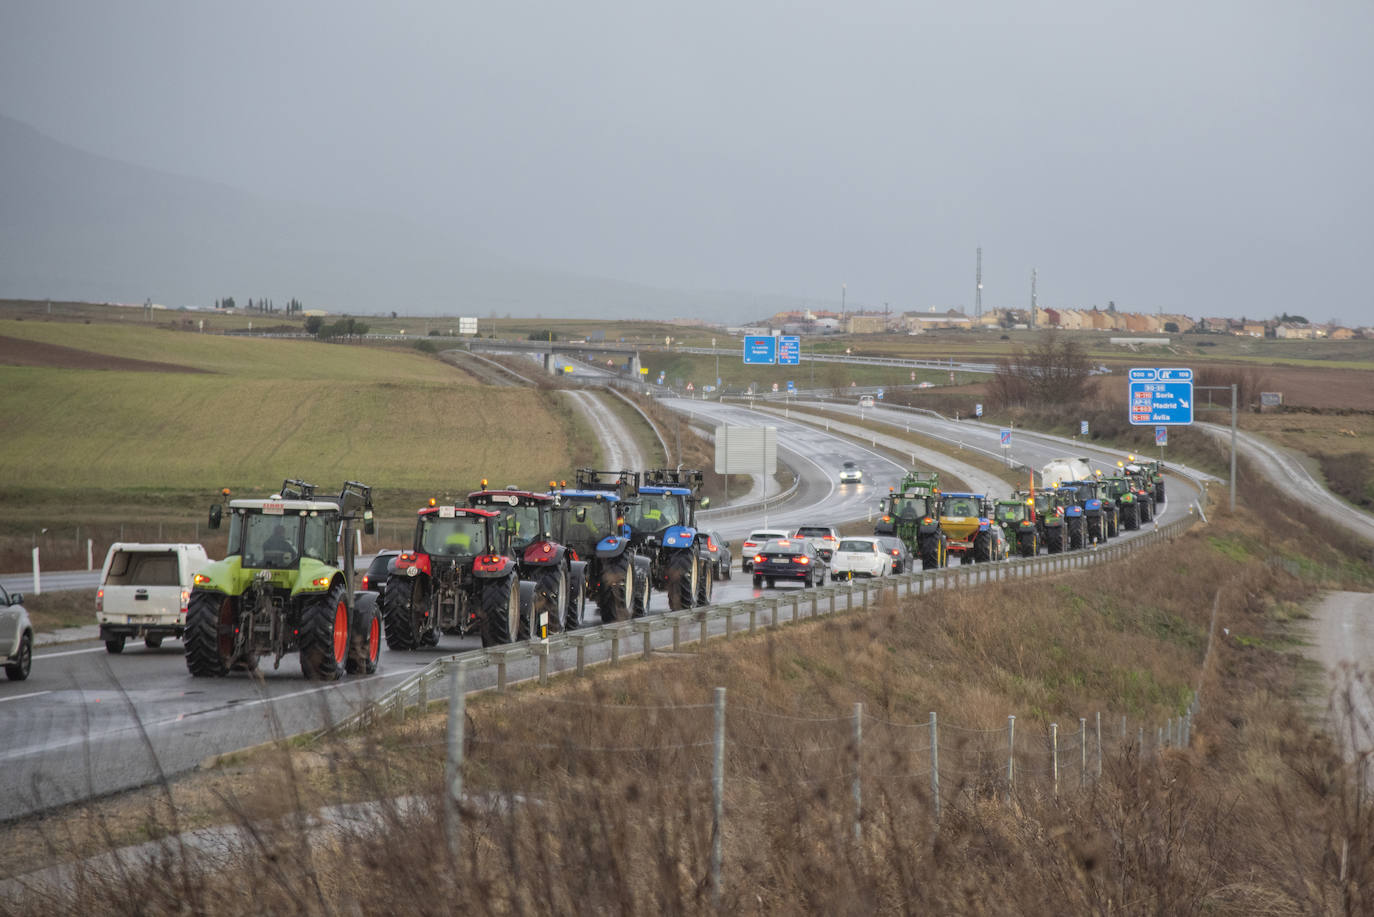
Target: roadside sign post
{"x":978,"y":410}
{"x":1006,"y":447}
{"x":1222,"y":388}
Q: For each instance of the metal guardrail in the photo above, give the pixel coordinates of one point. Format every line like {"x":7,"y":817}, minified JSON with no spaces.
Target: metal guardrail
{"x":770,"y":611}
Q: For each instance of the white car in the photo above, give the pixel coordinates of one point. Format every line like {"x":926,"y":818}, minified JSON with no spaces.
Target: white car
{"x":755,"y":542}
{"x":850,"y":473}
{"x":16,"y":635}
{"x":859,"y":557}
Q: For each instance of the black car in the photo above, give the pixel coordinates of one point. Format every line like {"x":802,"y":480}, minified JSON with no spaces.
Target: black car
{"x":374,"y":580}
{"x":788,"y":559}
{"x":897,"y":549}
{"x":721,"y":558}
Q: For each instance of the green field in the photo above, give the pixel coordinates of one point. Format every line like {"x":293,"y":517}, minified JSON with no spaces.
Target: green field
{"x":402,"y":421}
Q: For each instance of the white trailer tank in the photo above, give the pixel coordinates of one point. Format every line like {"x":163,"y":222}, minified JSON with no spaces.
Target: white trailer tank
{"x":1065,"y":469}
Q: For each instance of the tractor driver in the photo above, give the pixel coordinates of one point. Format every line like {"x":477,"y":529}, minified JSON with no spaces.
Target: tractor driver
{"x":278,"y":546}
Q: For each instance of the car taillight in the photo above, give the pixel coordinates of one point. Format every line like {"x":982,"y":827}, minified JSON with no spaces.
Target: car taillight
{"x":758,"y":558}
{"x":710,"y":545}
{"x":801,"y":560}
{"x":185,"y":600}
{"x":100,"y":599}
{"x":365,"y":581}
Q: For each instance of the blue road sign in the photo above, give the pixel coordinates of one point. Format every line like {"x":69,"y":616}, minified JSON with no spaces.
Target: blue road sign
{"x":1161,"y":436}
{"x":789,"y":350}
{"x":761,"y":349}
{"x":1161,"y":396}
{"x":791,"y":386}
{"x":978,"y":410}
{"x":880,"y":394}
{"x":1082,"y":428}
{"x":1006,"y":437}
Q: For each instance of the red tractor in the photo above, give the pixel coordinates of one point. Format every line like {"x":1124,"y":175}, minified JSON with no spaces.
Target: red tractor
{"x":460,"y":576}
{"x":527,"y":525}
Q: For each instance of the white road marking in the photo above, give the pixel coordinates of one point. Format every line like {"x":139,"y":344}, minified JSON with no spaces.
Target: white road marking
{"x":22,"y":696}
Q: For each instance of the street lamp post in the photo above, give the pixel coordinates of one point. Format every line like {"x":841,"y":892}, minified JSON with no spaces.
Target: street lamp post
{"x":713,"y":347}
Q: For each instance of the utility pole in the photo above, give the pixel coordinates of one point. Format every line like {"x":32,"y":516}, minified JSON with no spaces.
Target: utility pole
{"x":978,"y":288}
{"x":1032,"y":309}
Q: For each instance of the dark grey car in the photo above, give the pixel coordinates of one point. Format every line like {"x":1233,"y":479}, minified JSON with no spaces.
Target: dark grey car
{"x":898,"y":551}
{"x":721,"y":557}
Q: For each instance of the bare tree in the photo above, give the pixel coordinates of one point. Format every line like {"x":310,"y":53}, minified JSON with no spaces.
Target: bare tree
{"x":1054,"y":371}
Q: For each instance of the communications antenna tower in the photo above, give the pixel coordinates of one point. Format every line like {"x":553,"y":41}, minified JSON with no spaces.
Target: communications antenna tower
{"x":978,"y":290}
{"x":1032,"y":309}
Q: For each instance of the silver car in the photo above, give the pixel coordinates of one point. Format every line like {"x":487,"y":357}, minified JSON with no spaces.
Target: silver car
{"x":16,"y":635}
{"x":851,"y":473}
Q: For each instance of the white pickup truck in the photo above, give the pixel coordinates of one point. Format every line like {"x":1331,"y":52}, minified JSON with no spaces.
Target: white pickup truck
{"x":143,"y":592}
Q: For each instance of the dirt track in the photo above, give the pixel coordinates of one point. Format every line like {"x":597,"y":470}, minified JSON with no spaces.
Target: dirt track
{"x":23,"y":352}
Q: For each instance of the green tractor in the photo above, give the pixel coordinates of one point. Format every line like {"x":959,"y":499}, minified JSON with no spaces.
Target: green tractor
{"x":1049,"y":518}
{"x":281,"y":587}
{"x":1017,"y":519}
{"x":1155,"y":471}
{"x":912,"y":513}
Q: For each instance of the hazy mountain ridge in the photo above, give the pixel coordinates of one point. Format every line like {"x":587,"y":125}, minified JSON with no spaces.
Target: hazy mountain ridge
{"x":75,"y":225}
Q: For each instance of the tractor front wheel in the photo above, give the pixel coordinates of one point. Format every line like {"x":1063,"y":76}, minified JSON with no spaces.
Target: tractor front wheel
{"x":982,"y":547}
{"x":551,"y":598}
{"x":324,"y":635}
{"x":616,"y":600}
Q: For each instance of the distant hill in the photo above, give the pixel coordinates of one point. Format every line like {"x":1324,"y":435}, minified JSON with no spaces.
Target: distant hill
{"x":79,"y":226}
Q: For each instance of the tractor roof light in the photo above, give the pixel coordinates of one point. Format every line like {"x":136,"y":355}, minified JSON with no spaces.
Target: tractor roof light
{"x":433,"y":502}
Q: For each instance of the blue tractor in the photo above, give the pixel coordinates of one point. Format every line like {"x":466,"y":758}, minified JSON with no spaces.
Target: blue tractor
{"x":663,"y":529}
{"x":589,"y":520}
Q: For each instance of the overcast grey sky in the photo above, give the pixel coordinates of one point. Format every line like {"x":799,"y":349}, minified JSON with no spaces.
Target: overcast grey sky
{"x":1202,"y":157}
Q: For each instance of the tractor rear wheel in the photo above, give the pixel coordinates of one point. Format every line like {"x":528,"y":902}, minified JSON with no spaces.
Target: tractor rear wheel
{"x":398,"y":599}
{"x":1159,"y":492}
{"x":500,"y":610}
{"x":1130,"y":517}
{"x":324,"y":635}
{"x":1075,"y":527}
{"x":1147,"y":511}
{"x":209,"y":635}
{"x":982,"y":547}
{"x":365,"y":639}
{"x":682,"y":580}
{"x":1054,"y":539}
{"x":616,"y":600}
{"x":1094,"y":528}
{"x":931,"y":552}
{"x":707,"y":583}
{"x":1028,"y":546}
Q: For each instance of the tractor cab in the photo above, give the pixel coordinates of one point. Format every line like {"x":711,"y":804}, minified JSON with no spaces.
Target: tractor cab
{"x":525,"y":516}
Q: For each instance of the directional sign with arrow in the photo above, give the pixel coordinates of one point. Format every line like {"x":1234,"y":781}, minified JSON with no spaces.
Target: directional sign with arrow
{"x":1161,"y":396}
